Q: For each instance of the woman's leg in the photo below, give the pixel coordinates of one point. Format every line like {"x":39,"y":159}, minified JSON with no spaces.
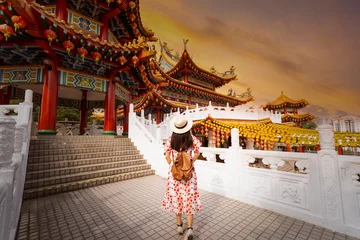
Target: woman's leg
{"x":178,"y":219}
{"x":190,"y":218}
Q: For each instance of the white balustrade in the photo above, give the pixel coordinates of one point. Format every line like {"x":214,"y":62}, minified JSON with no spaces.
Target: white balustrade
{"x":321,"y":188}
{"x":15,"y":134}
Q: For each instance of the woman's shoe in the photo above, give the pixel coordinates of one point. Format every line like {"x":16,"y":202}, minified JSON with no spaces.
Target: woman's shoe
{"x":189,"y":234}
{"x":180,"y":229}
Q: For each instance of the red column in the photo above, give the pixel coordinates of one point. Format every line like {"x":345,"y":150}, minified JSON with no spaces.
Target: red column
{"x":83,"y":113}
{"x":104,"y":30}
{"x":158,"y":116}
{"x":61,"y":10}
{"x":189,"y":99}
{"x":1,"y":96}
{"x":126,"y":118}
{"x":285,"y":112}
{"x":49,"y":100}
{"x":110,"y":112}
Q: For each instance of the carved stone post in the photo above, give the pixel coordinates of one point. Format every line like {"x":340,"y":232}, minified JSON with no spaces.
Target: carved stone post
{"x":329,"y":177}
{"x":7,"y":135}
{"x":235,"y":138}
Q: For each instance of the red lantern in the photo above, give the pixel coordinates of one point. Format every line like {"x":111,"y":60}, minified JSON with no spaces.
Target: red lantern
{"x":97,"y":56}
{"x":141,"y":68}
{"x":136,"y":31}
{"x":132,"y":5}
{"x":119,"y":1}
{"x":133,"y":25}
{"x":122,"y":60}
{"x":7,"y":31}
{"x":135,"y":60}
{"x":132,"y":17}
{"x":109,"y":1}
{"x":83,"y":53}
{"x":50,"y":35}
{"x":18,"y":22}
{"x":69,"y":46}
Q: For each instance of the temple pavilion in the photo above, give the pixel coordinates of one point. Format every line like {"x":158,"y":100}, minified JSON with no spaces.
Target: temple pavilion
{"x":176,"y":82}
{"x":289,"y":109}
{"x":82,"y":54}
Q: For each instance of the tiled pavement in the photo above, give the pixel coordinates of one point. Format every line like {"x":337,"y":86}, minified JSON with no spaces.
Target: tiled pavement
{"x":132,"y":210}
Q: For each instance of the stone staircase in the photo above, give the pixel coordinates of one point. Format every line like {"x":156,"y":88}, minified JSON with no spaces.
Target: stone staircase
{"x":65,"y":163}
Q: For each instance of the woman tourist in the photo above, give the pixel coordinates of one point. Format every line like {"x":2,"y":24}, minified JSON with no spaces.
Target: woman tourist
{"x":182,"y":196}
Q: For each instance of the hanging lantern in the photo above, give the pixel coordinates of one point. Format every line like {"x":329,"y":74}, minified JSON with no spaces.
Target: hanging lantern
{"x":97,"y":56}
{"x":122,"y":60}
{"x":136,"y":31}
{"x":132,"y":5}
{"x":119,"y":1}
{"x":69,"y":46}
{"x":109,"y":1}
{"x":133,"y":25}
{"x":83,"y":53}
{"x":141,"y":68}
{"x":18,"y":22}
{"x":132,"y":17}
{"x":7,"y":31}
{"x":134,"y":60}
{"x":50,"y":35}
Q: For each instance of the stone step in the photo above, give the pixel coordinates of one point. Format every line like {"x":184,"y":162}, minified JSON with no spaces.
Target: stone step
{"x":64,"y":157}
{"x":67,"y":145}
{"x":56,"y":180}
{"x":48,"y":173}
{"x":77,"y":185}
{"x":35,"y":153}
{"x":76,"y":136}
{"x":80,"y":162}
{"x":77,"y":140}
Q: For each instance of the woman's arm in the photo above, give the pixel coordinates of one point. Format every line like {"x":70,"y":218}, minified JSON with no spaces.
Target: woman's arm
{"x":196,"y":155}
{"x":167,"y":157}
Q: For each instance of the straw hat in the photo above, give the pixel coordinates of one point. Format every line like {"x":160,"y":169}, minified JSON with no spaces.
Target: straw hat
{"x":181,"y":124}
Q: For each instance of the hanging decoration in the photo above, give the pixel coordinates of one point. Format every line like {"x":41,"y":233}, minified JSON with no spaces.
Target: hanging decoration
{"x":19,"y":22}
{"x":97,"y":56}
{"x":69,"y":46}
{"x":135,"y":60}
{"x":50,"y":35}
{"x":7,"y":31}
{"x":132,"y":5}
{"x":122,"y":60}
{"x":83,"y":53}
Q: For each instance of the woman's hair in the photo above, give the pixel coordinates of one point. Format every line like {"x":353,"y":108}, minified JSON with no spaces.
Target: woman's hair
{"x":181,"y":141}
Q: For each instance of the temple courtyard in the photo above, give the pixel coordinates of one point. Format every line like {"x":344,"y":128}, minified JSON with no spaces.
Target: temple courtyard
{"x":132,"y":210}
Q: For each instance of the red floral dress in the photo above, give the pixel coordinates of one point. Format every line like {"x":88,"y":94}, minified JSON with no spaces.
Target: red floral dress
{"x":181,"y":196}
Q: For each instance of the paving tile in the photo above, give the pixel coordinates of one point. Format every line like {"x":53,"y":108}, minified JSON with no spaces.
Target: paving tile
{"x":111,"y":212}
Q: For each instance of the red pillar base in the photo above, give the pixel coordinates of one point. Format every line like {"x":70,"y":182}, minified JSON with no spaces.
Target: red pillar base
{"x":126,"y":119}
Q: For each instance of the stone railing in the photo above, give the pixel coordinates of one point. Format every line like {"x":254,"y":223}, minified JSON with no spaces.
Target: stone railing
{"x":15,"y":133}
{"x":322,"y":188}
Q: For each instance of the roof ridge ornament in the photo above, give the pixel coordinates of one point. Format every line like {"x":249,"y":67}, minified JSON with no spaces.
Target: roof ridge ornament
{"x":185,"y":41}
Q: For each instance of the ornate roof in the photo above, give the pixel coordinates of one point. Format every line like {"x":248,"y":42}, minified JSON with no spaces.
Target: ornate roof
{"x":186,"y":88}
{"x":284,"y":101}
{"x":297,"y":117}
{"x":175,"y":64}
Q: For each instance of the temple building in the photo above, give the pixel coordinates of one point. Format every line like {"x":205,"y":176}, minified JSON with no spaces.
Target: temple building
{"x":347,"y":123}
{"x":179,"y":85}
{"x":289,"y":109}
{"x":81,"y":54}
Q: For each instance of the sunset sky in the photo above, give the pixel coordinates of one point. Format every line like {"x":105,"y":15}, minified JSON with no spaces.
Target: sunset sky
{"x":308,"y":49}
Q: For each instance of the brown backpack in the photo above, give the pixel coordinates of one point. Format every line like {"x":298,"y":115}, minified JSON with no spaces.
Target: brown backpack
{"x":182,"y":167}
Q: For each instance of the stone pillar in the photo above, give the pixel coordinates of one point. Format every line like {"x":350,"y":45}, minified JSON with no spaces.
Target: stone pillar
{"x":235,"y":143}
{"x":7,"y":136}
{"x":83,"y":112}
{"x":110,"y":112}
{"x":329,"y":177}
{"x":49,"y":100}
